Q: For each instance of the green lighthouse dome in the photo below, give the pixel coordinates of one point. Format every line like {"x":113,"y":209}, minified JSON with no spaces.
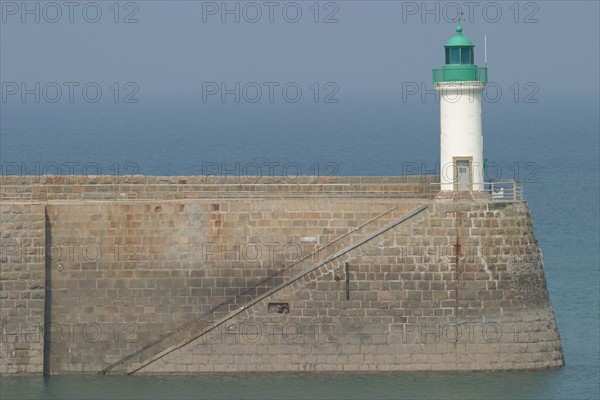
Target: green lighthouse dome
{"x":459,"y":49}
{"x":460,"y":61}
{"x":459,"y":39}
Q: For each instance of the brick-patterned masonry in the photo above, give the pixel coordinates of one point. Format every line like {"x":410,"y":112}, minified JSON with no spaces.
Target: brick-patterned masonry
{"x":111,"y":277}
{"x":22,"y":283}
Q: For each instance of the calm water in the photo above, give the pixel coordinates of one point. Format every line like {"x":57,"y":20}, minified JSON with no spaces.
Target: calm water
{"x":552,"y":145}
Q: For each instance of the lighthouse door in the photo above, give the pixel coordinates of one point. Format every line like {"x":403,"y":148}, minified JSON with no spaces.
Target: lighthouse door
{"x":463,"y":175}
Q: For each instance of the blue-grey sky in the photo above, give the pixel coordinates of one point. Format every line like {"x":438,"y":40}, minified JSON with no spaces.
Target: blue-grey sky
{"x":367,"y":46}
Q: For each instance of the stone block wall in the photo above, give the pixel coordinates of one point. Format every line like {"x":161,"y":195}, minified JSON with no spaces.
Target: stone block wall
{"x":153,"y":188}
{"x":22,"y":288}
{"x":124,"y":274}
{"x":105,"y":268}
{"x":412,"y":305}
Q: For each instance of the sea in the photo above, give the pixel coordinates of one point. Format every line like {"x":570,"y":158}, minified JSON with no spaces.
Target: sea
{"x":551,"y":144}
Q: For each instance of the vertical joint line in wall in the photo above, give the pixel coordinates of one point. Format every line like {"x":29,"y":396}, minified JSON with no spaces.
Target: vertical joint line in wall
{"x":347,"y":267}
{"x":47,"y":294}
{"x":457,"y":261}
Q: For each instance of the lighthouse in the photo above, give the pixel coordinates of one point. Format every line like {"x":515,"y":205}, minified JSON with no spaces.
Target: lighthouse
{"x":460,"y":84}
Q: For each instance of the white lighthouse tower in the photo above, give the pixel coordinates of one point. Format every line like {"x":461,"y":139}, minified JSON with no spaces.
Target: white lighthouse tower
{"x":460,"y":84}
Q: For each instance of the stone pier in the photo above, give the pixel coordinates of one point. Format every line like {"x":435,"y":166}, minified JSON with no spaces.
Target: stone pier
{"x":156,"y":275}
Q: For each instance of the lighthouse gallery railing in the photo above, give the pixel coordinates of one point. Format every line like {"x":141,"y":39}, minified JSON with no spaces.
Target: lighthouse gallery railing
{"x":466,"y":73}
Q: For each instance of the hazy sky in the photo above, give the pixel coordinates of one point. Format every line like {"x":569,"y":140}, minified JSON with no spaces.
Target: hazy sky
{"x":374,"y":46}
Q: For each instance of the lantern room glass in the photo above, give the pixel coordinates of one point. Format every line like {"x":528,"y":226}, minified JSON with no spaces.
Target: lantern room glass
{"x":459,"y":55}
